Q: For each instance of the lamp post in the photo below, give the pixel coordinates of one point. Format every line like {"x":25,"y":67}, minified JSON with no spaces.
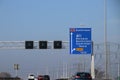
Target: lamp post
{"x":118,"y":71}
{"x":105,"y":39}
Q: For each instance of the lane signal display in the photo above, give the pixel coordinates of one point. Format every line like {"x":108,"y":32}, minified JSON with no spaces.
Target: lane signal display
{"x":29,"y":44}
{"x":42,"y":44}
{"x":57,"y":44}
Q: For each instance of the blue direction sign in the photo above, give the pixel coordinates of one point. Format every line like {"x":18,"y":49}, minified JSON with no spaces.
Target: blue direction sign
{"x":80,"y":41}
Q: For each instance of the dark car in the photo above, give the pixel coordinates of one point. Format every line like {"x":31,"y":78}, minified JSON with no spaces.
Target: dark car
{"x":40,"y":77}
{"x":46,"y":77}
{"x":43,"y":77}
{"x":82,"y":76}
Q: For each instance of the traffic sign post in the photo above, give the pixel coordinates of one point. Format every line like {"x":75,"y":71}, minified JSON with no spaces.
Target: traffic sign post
{"x":16,"y":68}
{"x":80,"y":41}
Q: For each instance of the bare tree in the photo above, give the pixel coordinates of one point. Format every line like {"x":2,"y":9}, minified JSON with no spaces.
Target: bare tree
{"x":5,"y":74}
{"x":99,"y":73}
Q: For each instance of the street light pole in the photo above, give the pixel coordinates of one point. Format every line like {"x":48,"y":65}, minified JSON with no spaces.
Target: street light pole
{"x":118,"y":71}
{"x":105,"y":39}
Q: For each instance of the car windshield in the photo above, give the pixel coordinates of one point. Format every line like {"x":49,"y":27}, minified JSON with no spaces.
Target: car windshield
{"x":83,"y":75}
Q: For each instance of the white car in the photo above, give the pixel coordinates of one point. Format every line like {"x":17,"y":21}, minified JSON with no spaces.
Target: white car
{"x":31,"y":77}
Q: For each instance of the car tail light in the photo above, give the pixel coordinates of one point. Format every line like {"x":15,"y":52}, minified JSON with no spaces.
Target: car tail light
{"x":77,"y":76}
{"x":89,"y":76}
{"x":40,"y":77}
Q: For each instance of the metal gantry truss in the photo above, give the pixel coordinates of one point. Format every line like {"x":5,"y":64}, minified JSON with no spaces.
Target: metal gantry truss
{"x":12,"y":44}
{"x":21,"y":44}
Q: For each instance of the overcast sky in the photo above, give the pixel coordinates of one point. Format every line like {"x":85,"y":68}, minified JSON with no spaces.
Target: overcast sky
{"x":50,"y":20}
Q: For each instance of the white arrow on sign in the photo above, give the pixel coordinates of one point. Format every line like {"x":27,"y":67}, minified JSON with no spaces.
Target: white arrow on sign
{"x":72,"y":49}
